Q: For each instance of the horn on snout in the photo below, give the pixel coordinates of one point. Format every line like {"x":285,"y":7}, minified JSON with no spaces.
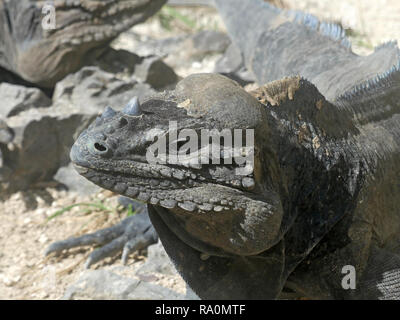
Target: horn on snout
{"x":108,"y":113}
{"x":133,"y":107}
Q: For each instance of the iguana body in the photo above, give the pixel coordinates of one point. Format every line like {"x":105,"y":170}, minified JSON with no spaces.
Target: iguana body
{"x":325,"y":187}
{"x":83,"y":29}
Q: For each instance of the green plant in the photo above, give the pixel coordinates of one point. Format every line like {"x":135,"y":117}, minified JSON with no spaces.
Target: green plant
{"x":90,"y":207}
{"x":358,"y":38}
{"x":168,"y":15}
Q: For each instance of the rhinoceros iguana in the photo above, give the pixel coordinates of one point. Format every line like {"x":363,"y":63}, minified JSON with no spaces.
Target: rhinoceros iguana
{"x":323,"y":195}
{"x":83,"y":30}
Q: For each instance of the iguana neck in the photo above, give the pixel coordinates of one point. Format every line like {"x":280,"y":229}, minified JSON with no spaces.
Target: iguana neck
{"x":332,"y":132}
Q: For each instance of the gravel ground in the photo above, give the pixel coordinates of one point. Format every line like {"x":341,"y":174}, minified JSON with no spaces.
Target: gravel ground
{"x":24,"y":230}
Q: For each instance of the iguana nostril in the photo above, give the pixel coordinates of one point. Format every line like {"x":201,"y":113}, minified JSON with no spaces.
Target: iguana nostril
{"x":99,"y":147}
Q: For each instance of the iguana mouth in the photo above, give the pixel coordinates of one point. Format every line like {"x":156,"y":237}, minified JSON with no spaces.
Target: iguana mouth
{"x":152,"y":179}
{"x":161,"y":185}
{"x":195,"y":203}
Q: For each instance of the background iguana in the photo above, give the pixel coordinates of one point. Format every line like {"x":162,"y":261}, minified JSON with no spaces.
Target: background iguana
{"x":83,"y":31}
{"x":325,"y":187}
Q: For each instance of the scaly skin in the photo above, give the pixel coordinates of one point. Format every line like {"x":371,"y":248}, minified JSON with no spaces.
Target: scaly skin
{"x":84,"y":29}
{"x":325,"y":187}
{"x":277,"y":43}
{"x":247,"y":235}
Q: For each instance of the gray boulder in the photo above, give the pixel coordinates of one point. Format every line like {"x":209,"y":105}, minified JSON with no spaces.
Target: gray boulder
{"x":157,"y":261}
{"x":92,"y":89}
{"x":158,"y":47}
{"x":148,"y":68}
{"x":108,"y":285}
{"x":74,"y":182}
{"x":6,"y":134}
{"x":209,"y":42}
{"x":155,"y":72}
{"x":231,"y":64}
{"x":41,"y":143}
{"x":16,"y":98}
{"x":181,"y":51}
{"x":42,"y":137}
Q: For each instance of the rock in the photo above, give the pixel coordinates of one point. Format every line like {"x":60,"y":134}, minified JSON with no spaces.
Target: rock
{"x":190,"y":294}
{"x":16,"y":98}
{"x":94,"y":89}
{"x":209,"y":42}
{"x":107,"y":285}
{"x":43,"y":136}
{"x":231,"y":61}
{"x":6,"y":134}
{"x":157,"y":261}
{"x":197,"y":46}
{"x":70,"y":178}
{"x":148,"y":69}
{"x":41,"y":143}
{"x":231,"y":64}
{"x":154,"y":71}
{"x":120,"y":62}
{"x":158,"y":47}
{"x":181,"y":51}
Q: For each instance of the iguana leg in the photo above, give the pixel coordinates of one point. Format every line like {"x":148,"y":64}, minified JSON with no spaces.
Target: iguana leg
{"x":132,"y":233}
{"x":140,"y":242}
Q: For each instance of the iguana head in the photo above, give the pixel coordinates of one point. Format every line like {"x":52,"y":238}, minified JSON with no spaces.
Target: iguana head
{"x":43,"y":55}
{"x":129,"y":152}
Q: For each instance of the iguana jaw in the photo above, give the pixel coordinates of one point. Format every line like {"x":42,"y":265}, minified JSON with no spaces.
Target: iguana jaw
{"x":167,"y":186}
{"x":204,"y":209}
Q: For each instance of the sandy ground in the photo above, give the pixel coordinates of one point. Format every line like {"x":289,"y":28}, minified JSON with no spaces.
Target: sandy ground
{"x":24,"y":229}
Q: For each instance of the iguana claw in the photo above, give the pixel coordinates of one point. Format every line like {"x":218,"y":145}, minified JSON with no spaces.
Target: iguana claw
{"x":131,"y":234}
